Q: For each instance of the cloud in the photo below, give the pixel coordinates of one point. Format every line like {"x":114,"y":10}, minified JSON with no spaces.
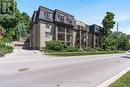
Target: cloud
{"x":123,"y":18}
{"x":125,"y":30}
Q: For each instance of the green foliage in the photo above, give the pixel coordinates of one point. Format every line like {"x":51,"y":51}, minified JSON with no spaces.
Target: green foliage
{"x":15,"y":24}
{"x":88,"y":49}
{"x":1,"y":29}
{"x":83,"y":53}
{"x":21,"y":30}
{"x":98,"y":49}
{"x":93,"y":49}
{"x":124,"y":81}
{"x":8,"y":21}
{"x":111,"y":41}
{"x":108,"y":22}
{"x":54,"y":45}
{"x":71,"y":49}
{"x":6,"y":49}
{"x":110,"y":48}
{"x":64,"y":45}
{"x":118,"y":41}
{"x":123,"y":41}
{"x":23,"y":25}
{"x":7,"y":6}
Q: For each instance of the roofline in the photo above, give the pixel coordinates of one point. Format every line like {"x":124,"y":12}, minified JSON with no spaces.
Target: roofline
{"x":44,"y":8}
{"x":64,"y":12}
{"x":96,"y":25}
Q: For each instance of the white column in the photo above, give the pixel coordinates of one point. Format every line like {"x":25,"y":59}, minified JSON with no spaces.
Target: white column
{"x":74,"y":35}
{"x":86,"y":39}
{"x":80,"y":39}
{"x":65,"y":35}
{"x":56,"y":33}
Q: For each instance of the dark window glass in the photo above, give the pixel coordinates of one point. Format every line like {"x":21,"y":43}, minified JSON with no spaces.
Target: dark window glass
{"x":47,"y":15}
{"x":69,"y":19}
{"x":69,"y":38}
{"x":69,"y":31}
{"x":61,"y":29}
{"x":47,"y":25}
{"x":48,"y":34}
{"x":61,"y":37}
{"x":61,"y":17}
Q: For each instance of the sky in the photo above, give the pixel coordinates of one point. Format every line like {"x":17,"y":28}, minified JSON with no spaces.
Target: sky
{"x":88,"y":11}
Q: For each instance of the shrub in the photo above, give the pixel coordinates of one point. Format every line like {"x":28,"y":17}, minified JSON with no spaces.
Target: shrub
{"x":113,"y":48}
{"x":88,"y":49}
{"x":54,"y":45}
{"x":98,"y":49}
{"x":4,"y":46}
{"x":6,"y":49}
{"x":71,"y":49}
{"x":43,"y":49}
{"x":64,"y":45}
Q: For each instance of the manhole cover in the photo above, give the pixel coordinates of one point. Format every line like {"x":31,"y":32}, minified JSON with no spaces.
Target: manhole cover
{"x":23,"y":69}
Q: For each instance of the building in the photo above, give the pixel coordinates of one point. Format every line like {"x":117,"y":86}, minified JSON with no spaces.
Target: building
{"x":82,"y":32}
{"x":57,"y":25}
{"x":95,"y":36}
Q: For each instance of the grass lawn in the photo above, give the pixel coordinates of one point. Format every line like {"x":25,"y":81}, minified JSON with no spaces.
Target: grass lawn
{"x":82,"y":53}
{"x":124,"y":81}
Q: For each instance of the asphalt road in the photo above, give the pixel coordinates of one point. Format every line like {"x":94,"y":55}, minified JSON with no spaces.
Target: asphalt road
{"x":26,"y":70}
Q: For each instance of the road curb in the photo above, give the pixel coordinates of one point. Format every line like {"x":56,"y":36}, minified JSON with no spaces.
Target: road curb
{"x":113,"y":78}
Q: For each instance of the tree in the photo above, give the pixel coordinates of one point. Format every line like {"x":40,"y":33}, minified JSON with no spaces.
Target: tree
{"x":10,"y":22}
{"x":23,"y":25}
{"x":7,"y":15}
{"x":117,"y":37}
{"x":7,"y":6}
{"x":110,"y":41}
{"x":123,"y":41}
{"x":1,"y":33}
{"x":108,"y":23}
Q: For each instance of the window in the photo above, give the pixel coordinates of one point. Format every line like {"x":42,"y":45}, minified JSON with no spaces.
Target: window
{"x":69,"y":19}
{"x":61,"y":29}
{"x":48,"y":35}
{"x":47,"y":15}
{"x":69,"y":31}
{"x":47,"y":25}
{"x":78,"y":27}
{"x":69,"y":38}
{"x":61,"y":17}
{"x":61,"y":37}
{"x":96,"y":29}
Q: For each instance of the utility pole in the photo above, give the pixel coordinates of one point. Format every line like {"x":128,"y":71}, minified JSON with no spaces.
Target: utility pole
{"x":117,"y":27}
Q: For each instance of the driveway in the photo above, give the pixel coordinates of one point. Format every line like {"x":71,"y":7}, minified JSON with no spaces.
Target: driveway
{"x":25,"y":68}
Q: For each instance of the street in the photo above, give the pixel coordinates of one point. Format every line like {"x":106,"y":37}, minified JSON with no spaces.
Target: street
{"x":25,"y":68}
